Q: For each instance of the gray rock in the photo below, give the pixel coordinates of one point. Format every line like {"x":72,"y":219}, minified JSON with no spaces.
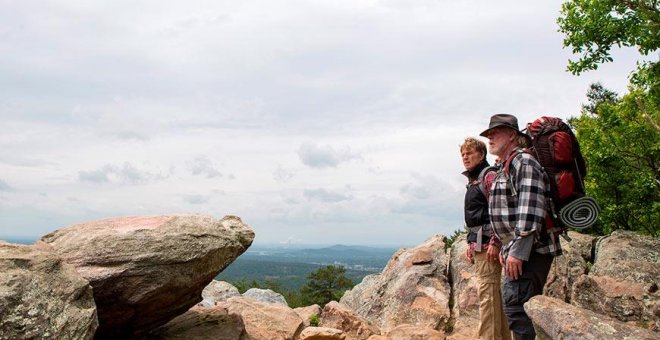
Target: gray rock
{"x":42,"y":297}
{"x":218,"y":291}
{"x":147,"y":270}
{"x":567,"y":268}
{"x":265,"y":295}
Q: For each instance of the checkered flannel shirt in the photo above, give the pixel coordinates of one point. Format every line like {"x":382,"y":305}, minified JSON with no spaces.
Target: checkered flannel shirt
{"x":518,"y":206}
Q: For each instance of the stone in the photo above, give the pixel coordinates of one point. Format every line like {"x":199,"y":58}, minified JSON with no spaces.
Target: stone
{"x":354,"y":326}
{"x":145,"y":271}
{"x":265,"y":295}
{"x":567,"y":268}
{"x":41,"y":297}
{"x":412,"y":289}
{"x":623,"y":282}
{"x":465,"y":288}
{"x":412,"y":332}
{"x":306,"y":313}
{"x":555,"y":319}
{"x":218,"y":291}
{"x":199,"y":323}
{"x":322,"y":333}
{"x":265,"y":321}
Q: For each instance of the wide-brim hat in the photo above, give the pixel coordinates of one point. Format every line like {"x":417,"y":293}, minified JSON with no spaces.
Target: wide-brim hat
{"x":502,"y":120}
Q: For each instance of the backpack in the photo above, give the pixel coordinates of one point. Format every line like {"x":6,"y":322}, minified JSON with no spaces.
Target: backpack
{"x":556,"y":148}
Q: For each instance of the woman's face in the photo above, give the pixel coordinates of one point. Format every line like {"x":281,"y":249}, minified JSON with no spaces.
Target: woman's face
{"x":471,"y":158}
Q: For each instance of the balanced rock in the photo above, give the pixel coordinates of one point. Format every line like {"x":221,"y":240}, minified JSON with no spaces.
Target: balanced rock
{"x":555,"y":319}
{"x":265,"y":295}
{"x":146,"y":270}
{"x":41,"y":297}
{"x":624,"y":280}
{"x":412,"y":289}
{"x":202,"y":324}
{"x":218,"y":291}
{"x":264,"y":321}
{"x":336,"y":315}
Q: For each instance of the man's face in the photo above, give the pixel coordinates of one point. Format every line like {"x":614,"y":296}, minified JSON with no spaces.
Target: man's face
{"x":499,"y":140}
{"x":471,"y":158}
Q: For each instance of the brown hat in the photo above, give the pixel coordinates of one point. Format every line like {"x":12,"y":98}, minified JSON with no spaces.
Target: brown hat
{"x":502,"y":120}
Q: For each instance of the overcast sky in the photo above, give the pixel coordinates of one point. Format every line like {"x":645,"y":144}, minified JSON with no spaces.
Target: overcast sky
{"x":334,"y":121}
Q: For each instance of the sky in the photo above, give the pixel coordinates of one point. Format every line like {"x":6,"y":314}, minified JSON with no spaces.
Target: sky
{"x":316,"y":122}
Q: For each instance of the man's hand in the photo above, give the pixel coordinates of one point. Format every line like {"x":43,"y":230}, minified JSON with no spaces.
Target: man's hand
{"x":513,"y":267}
{"x":492,"y":253}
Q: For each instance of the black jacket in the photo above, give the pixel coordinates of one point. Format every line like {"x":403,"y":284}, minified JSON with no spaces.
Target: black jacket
{"x":476,"y":205}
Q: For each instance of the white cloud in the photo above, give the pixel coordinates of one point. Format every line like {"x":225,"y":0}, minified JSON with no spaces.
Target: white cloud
{"x":325,"y":156}
{"x":202,"y":166}
{"x":324,"y":195}
{"x":4,"y":186}
{"x":124,"y":174}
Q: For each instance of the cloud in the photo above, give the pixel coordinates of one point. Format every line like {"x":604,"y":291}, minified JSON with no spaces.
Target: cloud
{"x":324,"y":195}
{"x":202,"y":166}
{"x":321,"y":157}
{"x":196,"y":199}
{"x":125,"y":174}
{"x":282,"y":175}
{"x":4,"y":186}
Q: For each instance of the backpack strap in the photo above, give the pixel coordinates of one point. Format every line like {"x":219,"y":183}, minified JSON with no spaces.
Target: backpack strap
{"x":485,"y":179}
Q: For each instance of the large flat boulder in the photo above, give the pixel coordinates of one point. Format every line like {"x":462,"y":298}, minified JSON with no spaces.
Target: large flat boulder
{"x":412,"y":289}
{"x":41,"y":297}
{"x":623,"y":282}
{"x":555,"y":319}
{"x":147,"y":270}
{"x":201,"y":323}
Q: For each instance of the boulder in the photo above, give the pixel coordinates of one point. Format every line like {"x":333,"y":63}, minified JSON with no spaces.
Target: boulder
{"x":306,"y":313}
{"x":41,"y":297}
{"x":624,"y":279}
{"x":412,"y":289}
{"x":567,"y":268}
{"x":412,"y":332}
{"x":265,"y":295}
{"x":265,"y":321}
{"x":355,"y":327}
{"x":555,"y":319}
{"x":218,"y":291}
{"x":322,"y":333}
{"x":465,"y":288}
{"x":199,"y":323}
{"x":144,"y":271}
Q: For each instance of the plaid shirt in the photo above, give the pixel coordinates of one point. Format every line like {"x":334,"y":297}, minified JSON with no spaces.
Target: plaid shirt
{"x":518,"y":208}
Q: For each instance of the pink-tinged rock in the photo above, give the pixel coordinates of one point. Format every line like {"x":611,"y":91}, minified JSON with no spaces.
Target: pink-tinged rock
{"x":147,"y":270}
{"x":555,"y":319}
{"x":412,"y":332}
{"x":355,"y":327}
{"x":41,"y":297}
{"x":322,"y":333}
{"x":412,"y":289}
{"x":567,"y":268}
{"x":201,"y":323}
{"x":306,"y":313}
{"x":265,"y":321}
{"x":465,"y":287}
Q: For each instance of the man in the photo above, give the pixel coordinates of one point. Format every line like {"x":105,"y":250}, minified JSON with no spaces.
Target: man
{"x":518,"y":208}
{"x":483,"y":247}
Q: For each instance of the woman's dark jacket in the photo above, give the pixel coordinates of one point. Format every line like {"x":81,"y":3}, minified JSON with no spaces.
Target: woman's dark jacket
{"x":476,"y":205}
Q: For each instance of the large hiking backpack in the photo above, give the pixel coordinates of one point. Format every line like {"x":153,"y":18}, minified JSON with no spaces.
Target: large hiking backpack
{"x":554,"y":145}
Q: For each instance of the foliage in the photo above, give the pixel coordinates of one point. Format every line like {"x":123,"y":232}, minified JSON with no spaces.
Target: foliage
{"x":593,"y":27}
{"x":453,"y":237}
{"x":314,"y":320}
{"x":620,"y":139}
{"x":325,"y":284}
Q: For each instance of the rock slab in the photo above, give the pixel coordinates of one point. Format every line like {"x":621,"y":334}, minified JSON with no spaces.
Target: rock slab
{"x":147,"y":270}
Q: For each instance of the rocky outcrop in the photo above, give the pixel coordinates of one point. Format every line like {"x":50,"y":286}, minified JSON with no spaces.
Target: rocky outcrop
{"x":306,"y":313}
{"x":322,"y":333}
{"x":338,"y":316}
{"x":202,"y":324}
{"x":465,"y":286}
{"x":218,"y":291}
{"x":264,"y":321}
{"x":623,"y":282}
{"x":409,"y":332}
{"x":567,"y":268}
{"x":555,"y":319}
{"x":265,"y":295}
{"x":147,"y":270}
{"x":412,"y":289}
{"x":41,"y":297}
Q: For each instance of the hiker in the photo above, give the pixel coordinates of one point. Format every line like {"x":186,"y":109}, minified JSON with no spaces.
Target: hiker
{"x":483,"y":247}
{"x":518,"y":206}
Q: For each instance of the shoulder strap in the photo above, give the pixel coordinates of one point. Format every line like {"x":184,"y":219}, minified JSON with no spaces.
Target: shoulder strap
{"x":484,"y":182}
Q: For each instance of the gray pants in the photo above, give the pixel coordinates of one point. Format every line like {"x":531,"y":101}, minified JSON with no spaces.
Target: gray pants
{"x":516,"y":292}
